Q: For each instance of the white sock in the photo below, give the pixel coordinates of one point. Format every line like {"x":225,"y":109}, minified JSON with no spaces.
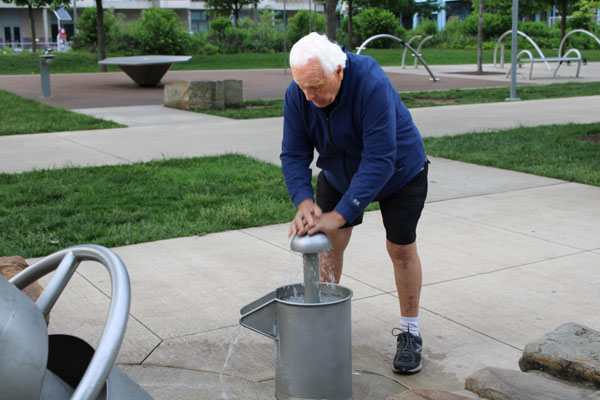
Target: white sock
{"x":410,"y":325}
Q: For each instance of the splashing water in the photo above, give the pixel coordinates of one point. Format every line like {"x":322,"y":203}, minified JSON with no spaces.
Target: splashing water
{"x":224,"y":395}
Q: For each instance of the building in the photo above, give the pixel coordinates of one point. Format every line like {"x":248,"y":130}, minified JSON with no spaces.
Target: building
{"x":16,"y":25}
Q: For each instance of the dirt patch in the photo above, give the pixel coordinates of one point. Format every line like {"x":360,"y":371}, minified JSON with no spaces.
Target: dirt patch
{"x":590,"y":138}
{"x":434,"y":100}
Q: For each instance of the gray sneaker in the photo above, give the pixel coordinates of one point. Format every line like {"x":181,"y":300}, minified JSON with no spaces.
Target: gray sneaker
{"x":408,"y":353}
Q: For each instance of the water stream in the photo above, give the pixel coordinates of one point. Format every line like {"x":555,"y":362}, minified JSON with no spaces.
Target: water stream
{"x":224,"y":395}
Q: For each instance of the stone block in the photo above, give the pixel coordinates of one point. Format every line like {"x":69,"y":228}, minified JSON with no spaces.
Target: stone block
{"x":505,"y":384}
{"x":233,"y":92}
{"x":203,"y":95}
{"x":570,"y":352}
{"x":195,"y":95}
{"x":416,"y":394}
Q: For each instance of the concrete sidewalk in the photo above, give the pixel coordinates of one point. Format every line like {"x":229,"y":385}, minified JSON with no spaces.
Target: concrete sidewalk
{"x":506,"y":256}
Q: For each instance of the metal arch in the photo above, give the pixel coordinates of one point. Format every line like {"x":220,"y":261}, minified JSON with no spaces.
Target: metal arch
{"x":412,"y":39}
{"x":421,"y":45}
{"x":562,"y":42}
{"x":65,"y":262}
{"x":530,"y":40}
{"x":406,"y":46}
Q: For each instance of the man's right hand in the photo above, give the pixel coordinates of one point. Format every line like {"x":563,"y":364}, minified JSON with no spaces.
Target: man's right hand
{"x":304,"y":220}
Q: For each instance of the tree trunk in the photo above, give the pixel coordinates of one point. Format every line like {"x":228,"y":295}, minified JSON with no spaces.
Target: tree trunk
{"x":32,"y":21}
{"x":350,"y":44}
{"x":236,"y":16}
{"x":330,"y":19}
{"x":480,"y":38}
{"x":564,"y":12}
{"x":100,"y":32}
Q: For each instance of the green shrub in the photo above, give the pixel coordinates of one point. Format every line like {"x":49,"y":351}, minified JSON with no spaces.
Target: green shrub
{"x":426,"y":27}
{"x":199,"y":45}
{"x":298,"y":26}
{"x":116,"y":33}
{"x":493,"y":25}
{"x":374,"y":21}
{"x":159,"y":31}
{"x":226,"y":37}
{"x":265,"y":36}
{"x":453,"y":37}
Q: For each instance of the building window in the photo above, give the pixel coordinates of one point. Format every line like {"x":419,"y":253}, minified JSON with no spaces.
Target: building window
{"x":199,"y":21}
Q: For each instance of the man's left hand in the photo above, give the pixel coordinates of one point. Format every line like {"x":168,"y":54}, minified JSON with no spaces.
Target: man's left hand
{"x":327,"y":222}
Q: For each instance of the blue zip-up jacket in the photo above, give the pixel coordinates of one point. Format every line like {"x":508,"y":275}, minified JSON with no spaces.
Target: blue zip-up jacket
{"x":368,"y":147}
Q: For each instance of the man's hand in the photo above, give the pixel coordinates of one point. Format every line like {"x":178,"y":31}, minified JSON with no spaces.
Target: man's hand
{"x":327,"y":222}
{"x":310,"y":219}
{"x":305,"y":218}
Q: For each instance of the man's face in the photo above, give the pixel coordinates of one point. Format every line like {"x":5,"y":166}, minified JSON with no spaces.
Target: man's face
{"x":319,"y":88}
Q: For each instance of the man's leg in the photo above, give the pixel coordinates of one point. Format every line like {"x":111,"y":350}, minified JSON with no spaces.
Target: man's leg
{"x":407,"y":271}
{"x":331,"y":262}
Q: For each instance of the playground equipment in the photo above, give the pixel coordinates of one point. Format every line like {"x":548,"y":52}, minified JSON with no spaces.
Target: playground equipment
{"x":564,"y":39}
{"x":36,"y":365}
{"x":421,"y":43}
{"x":311,"y":326}
{"x":530,"y":40}
{"x":406,"y":46}
{"x":560,"y":60}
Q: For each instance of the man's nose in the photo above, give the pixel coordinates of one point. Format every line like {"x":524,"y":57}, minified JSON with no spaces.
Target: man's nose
{"x":309,"y":95}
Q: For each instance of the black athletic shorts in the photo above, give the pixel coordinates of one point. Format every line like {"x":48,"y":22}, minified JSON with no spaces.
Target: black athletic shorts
{"x":400,"y":211}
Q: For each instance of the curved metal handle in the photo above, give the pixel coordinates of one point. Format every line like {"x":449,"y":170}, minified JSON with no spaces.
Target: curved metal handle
{"x":67,"y":261}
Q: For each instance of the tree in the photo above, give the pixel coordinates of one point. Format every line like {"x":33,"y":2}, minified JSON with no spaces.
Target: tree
{"x":229,"y":7}
{"x":480,"y":38}
{"x":101,"y":37}
{"x":31,"y":4}
{"x":330,"y":21}
{"x":401,"y":7}
{"x":350,"y":33}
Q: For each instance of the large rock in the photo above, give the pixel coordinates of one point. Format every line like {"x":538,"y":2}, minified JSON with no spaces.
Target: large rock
{"x":11,"y":266}
{"x":570,"y":352}
{"x":203,"y":95}
{"x":504,"y":384}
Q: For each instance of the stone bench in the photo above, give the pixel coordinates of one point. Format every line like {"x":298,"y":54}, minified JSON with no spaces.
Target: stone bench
{"x":203,"y":95}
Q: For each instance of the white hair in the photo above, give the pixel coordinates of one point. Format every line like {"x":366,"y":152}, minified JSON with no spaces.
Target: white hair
{"x":315,"y":46}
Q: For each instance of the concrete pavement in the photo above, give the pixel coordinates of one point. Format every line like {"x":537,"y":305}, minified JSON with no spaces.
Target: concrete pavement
{"x":507,"y":257}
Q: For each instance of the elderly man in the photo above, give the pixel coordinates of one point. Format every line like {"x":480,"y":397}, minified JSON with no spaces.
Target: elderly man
{"x":344,"y":106}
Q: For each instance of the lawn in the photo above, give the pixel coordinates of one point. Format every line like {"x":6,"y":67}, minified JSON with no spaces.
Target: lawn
{"x":39,"y":117}
{"x":43,"y":211}
{"x":78,"y":62}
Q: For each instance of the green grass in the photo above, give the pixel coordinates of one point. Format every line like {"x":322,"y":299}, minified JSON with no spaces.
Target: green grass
{"x":21,"y":116}
{"x":79,"y":62}
{"x":274,"y":108}
{"x":44,"y":211}
{"x":553,"y":151}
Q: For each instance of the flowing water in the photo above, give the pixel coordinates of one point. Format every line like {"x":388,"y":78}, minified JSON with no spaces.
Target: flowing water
{"x":224,"y":395}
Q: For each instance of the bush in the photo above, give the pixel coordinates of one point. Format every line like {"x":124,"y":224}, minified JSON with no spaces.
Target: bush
{"x":493,"y":25}
{"x":426,"y":27}
{"x":159,"y":31}
{"x":116,"y":35}
{"x":374,"y":21}
{"x":264,"y":36}
{"x":298,"y":26}
{"x":453,"y":37}
{"x":226,"y":37}
{"x":199,"y":45}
